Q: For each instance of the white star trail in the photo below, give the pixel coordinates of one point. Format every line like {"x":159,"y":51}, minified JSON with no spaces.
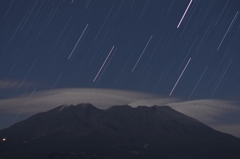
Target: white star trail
{"x":78,"y":41}
{"x":26,"y":75}
{"x":142,"y":53}
{"x":227,"y":30}
{"x":180,"y":77}
{"x":103,"y":64}
{"x":221,"y":78}
{"x":10,"y":5}
{"x":184,"y":14}
{"x":24,"y":105}
{"x":197,"y":83}
{"x":104,"y":23}
{"x":61,"y":33}
{"x":159,"y":80}
{"x":123,"y":68}
{"x":10,"y":71}
{"x":221,"y":13}
{"x":170,"y":6}
{"x":107,"y":64}
{"x":57,"y":82}
{"x":29,"y":15}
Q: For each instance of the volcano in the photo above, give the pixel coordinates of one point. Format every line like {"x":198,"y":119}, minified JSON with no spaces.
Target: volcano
{"x":119,"y":132}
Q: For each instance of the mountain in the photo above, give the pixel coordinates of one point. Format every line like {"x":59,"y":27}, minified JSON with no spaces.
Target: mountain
{"x":120,"y":132}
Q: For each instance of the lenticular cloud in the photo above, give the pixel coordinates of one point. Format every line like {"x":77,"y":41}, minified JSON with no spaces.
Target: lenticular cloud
{"x":45,"y":100}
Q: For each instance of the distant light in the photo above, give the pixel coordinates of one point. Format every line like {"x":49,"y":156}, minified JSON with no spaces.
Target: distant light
{"x":4,"y":139}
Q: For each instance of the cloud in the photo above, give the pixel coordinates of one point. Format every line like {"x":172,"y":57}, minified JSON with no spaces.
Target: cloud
{"x":222,"y":115}
{"x":11,"y":84}
{"x":161,"y":101}
{"x":206,"y":110}
{"x":8,"y":84}
{"x":45,"y":100}
{"x":233,"y":129}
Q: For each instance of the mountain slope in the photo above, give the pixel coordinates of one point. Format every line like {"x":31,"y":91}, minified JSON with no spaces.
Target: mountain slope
{"x":85,"y":131}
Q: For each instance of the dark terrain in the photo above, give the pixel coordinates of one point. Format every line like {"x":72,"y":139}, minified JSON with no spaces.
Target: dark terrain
{"x":120,"y":132}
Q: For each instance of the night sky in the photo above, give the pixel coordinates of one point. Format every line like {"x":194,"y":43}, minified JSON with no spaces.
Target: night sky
{"x":178,"y":48}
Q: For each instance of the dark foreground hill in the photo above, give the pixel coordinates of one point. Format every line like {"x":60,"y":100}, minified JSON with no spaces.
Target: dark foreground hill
{"x":120,"y":132}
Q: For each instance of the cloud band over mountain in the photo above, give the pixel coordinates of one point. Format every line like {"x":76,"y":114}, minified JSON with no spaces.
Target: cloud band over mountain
{"x":212,"y":112}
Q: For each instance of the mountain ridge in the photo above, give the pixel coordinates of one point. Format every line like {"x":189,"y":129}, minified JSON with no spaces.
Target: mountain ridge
{"x":121,"y":129}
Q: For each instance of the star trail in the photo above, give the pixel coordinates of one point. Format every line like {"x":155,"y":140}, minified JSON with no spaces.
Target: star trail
{"x":184,"y":14}
{"x":121,"y":44}
{"x":179,"y":77}
{"x":103,"y":64}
